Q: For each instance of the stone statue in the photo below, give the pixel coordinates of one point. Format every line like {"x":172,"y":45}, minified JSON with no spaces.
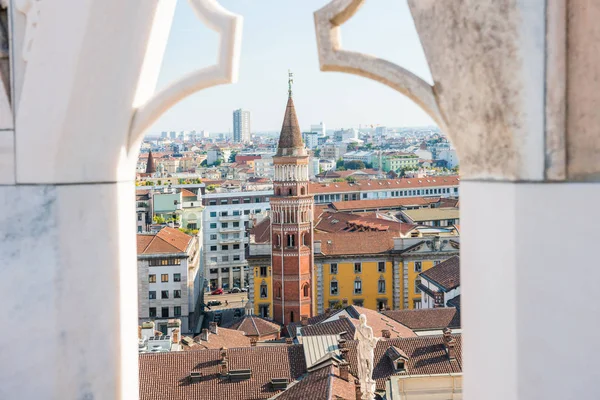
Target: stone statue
{"x":366,"y":347}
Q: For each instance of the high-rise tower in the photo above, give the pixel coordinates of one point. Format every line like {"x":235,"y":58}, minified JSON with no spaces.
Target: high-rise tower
{"x":241,"y":126}
{"x":291,"y":224}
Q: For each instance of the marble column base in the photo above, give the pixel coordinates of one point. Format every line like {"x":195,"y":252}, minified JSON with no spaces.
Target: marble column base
{"x":68,"y":276}
{"x":529,"y":290}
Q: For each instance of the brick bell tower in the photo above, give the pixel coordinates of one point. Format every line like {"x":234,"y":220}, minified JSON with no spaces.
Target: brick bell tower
{"x":291,"y":223}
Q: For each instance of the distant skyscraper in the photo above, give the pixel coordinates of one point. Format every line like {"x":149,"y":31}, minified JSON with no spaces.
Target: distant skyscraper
{"x":164,"y":134}
{"x":319,"y":128}
{"x":241,"y":125}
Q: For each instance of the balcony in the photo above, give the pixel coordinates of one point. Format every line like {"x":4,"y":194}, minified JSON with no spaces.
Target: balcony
{"x":231,"y":240}
{"x":226,"y":218}
{"x":231,"y":229}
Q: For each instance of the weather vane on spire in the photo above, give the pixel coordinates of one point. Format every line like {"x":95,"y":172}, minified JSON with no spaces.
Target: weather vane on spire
{"x":290,"y":81}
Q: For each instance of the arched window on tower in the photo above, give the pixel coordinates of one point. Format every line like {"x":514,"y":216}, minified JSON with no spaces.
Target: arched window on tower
{"x":305,"y":291}
{"x":302,"y":191}
{"x":304,"y":235}
{"x":278,"y":192}
{"x":278,"y":240}
{"x":277,"y":290}
{"x":291,"y":242}
{"x":291,"y":316}
{"x":290,"y":191}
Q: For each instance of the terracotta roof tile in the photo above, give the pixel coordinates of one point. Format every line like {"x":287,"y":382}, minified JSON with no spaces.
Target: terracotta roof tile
{"x":322,"y":384}
{"x":383,"y":203}
{"x":165,"y":376}
{"x":224,"y":338}
{"x":168,"y":240}
{"x":379,"y":184}
{"x":426,"y":355}
{"x":252,"y":325}
{"x":344,"y":327}
{"x":350,"y":243}
{"x":446,"y":274}
{"x":426,"y":319}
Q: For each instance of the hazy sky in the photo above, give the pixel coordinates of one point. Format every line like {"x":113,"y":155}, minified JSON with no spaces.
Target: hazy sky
{"x":279,"y":35}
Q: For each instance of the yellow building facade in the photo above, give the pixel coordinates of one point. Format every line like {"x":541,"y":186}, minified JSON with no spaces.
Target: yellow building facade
{"x":386,"y":280}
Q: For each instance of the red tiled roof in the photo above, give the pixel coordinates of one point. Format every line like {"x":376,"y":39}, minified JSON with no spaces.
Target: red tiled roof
{"x":165,"y":376}
{"x":168,"y":240}
{"x":351,"y":243}
{"x":262,"y":231}
{"x":380,"y":184}
{"x":322,"y":384}
{"x":252,"y":325}
{"x":446,"y":274}
{"x":383,"y":203}
{"x":187,"y":193}
{"x":426,"y":355}
{"x":343,"y":326}
{"x":426,"y":319}
{"x":224,"y":338}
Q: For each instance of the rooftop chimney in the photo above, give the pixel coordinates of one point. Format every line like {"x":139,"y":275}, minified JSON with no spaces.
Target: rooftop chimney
{"x":344,"y":353}
{"x":344,"y":370}
{"x":357,"y":390}
{"x":204,"y":335}
{"x":304,"y":320}
{"x":289,"y":340}
{"x":176,"y":336}
{"x":345,"y":302}
{"x":342,"y":343}
{"x":224,"y":367}
{"x":385,"y":333}
{"x":343,"y":316}
{"x":139,"y":332}
{"x":253,"y":341}
{"x":213,"y":327}
{"x":449,"y":343}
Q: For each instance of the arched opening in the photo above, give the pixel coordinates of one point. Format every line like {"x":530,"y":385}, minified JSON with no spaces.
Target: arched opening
{"x":305,"y":290}
{"x":291,"y":316}
{"x":290,"y":192}
{"x":278,"y":191}
{"x":277,"y":290}
{"x":278,"y":240}
{"x":291,"y":240}
{"x":302,"y":191}
{"x":264,"y":290}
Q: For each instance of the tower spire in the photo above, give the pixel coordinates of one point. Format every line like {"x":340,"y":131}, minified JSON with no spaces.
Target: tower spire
{"x":290,"y":81}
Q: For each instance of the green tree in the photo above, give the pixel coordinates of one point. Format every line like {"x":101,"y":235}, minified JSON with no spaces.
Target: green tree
{"x":351,"y":146}
{"x":350,"y":179}
{"x":217,"y":163}
{"x":159,"y":219}
{"x":232,"y":156}
{"x":355,"y":164}
{"x":339,"y":163}
{"x":204,"y":163}
{"x":317,"y":152}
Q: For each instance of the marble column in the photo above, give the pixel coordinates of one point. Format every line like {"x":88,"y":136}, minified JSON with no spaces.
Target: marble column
{"x":516,"y":91}
{"x":67,"y":167}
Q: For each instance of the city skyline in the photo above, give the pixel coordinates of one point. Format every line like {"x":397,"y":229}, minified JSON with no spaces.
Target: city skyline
{"x":272,"y":44}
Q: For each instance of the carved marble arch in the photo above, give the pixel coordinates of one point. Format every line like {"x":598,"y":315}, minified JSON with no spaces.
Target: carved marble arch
{"x":521,"y":139}
{"x":69,"y":126}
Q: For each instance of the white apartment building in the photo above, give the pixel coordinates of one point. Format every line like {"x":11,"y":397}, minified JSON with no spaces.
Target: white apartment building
{"x":169,"y":278}
{"x":333,"y":151}
{"x":450,"y":157}
{"x":263,"y":167}
{"x":241,"y":126}
{"x":311,"y":139}
{"x":225,"y":219}
{"x":319,"y":129}
{"x":364,"y":156}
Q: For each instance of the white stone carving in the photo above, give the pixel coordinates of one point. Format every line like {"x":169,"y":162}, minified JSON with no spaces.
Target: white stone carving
{"x":500,"y":74}
{"x":31,"y":9}
{"x":78,"y":114}
{"x":366,"y":350}
{"x":229,"y":27}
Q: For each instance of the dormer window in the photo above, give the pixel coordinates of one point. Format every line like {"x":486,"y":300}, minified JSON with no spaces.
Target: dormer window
{"x":399,"y":365}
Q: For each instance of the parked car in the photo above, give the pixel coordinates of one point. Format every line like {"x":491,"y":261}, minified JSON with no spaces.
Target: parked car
{"x":217,"y":291}
{"x":244,"y":289}
{"x":235,"y":290}
{"x":214,"y":303}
